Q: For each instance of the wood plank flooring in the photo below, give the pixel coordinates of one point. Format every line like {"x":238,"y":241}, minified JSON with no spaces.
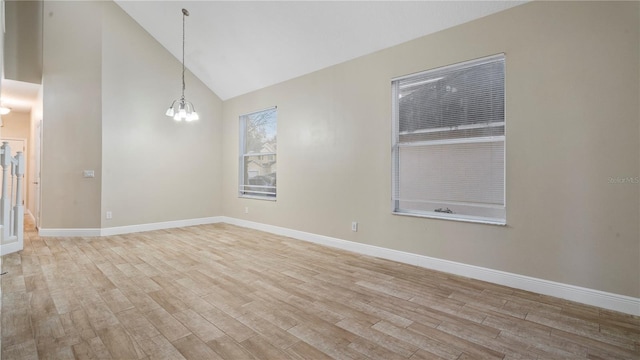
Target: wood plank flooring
{"x":225,"y":292}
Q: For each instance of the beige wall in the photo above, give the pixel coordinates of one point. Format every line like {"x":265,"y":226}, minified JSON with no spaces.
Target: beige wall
{"x":15,"y":125}
{"x":33,"y":167}
{"x":154,"y":169}
{"x":572,"y":124}
{"x":72,"y":127}
{"x":23,"y":41}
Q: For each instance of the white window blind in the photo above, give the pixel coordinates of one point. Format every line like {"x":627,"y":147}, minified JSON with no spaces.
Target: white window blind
{"x":449,"y":142}
{"x":258,"y":154}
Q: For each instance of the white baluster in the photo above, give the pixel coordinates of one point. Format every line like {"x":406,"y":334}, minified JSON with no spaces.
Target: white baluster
{"x":18,"y":209}
{"x":5,"y":162}
{"x":12,"y":230}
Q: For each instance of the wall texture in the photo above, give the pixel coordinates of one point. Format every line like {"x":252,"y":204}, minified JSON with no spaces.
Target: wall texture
{"x":572,"y":126}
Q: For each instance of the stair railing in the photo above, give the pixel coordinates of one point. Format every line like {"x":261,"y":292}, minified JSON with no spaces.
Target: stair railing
{"x":11,"y":207}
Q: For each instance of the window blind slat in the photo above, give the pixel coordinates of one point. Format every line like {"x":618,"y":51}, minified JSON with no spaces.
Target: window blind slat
{"x":449,"y":142}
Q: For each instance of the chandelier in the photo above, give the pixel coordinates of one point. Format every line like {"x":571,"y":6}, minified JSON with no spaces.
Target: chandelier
{"x":181,"y":109}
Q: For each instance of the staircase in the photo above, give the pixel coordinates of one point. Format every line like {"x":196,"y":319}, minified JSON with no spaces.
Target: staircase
{"x":11,"y":207}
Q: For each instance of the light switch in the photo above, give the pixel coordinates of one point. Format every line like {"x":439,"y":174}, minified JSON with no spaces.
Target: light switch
{"x":88,"y":173}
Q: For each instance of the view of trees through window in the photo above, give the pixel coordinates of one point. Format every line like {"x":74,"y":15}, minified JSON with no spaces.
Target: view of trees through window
{"x":457,"y":103}
{"x":259,"y":157}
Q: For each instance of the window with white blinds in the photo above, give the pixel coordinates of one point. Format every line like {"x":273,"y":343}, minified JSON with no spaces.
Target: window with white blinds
{"x":258,"y":154}
{"x":449,"y":142}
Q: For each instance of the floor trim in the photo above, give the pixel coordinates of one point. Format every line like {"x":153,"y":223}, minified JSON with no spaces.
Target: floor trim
{"x":128,"y":229}
{"x":159,"y":226}
{"x":30,"y":214}
{"x":606,"y":300}
{"x":68,"y":232}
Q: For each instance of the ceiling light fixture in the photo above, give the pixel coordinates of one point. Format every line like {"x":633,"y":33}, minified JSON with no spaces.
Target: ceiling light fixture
{"x":4,"y":110}
{"x":182,"y":109}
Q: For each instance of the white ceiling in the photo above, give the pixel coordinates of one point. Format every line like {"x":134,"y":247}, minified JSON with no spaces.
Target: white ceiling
{"x":17,"y":95}
{"x":238,"y":47}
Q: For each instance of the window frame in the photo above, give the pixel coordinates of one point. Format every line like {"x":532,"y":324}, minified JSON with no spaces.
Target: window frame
{"x":395,"y":148}
{"x":242,"y":125}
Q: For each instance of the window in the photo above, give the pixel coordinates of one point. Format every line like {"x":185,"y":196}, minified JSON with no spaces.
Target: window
{"x":258,"y":148}
{"x":449,"y":142}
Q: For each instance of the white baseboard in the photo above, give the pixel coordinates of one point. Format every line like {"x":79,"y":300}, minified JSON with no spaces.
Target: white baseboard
{"x":159,"y":226}
{"x":118,"y":230}
{"x":68,"y":232}
{"x":28,"y":212}
{"x":621,"y":303}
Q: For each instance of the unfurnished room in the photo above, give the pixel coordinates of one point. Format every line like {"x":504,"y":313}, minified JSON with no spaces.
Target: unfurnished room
{"x":319,"y":179}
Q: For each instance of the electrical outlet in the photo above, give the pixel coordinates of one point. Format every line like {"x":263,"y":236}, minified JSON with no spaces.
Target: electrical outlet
{"x":109,"y":215}
{"x":354,"y":226}
{"x":246,"y":210}
{"x":88,"y":173}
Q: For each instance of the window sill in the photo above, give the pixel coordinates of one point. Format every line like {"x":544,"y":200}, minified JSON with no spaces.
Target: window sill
{"x":486,"y":221}
{"x":257,"y":197}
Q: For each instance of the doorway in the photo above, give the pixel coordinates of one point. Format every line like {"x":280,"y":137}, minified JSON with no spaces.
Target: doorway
{"x":25,"y":122}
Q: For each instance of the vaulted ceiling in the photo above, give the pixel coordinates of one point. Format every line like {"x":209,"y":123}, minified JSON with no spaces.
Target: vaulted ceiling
{"x":236,"y":47}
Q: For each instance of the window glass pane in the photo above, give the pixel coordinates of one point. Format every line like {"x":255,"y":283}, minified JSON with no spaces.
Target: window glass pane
{"x":260,"y":175}
{"x":465,"y":178}
{"x":452,"y":97}
{"x":261,"y":131}
{"x":259,"y":154}
{"x":449,"y":144}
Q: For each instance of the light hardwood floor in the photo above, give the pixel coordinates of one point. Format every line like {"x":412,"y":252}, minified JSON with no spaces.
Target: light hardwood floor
{"x":225,"y":292}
